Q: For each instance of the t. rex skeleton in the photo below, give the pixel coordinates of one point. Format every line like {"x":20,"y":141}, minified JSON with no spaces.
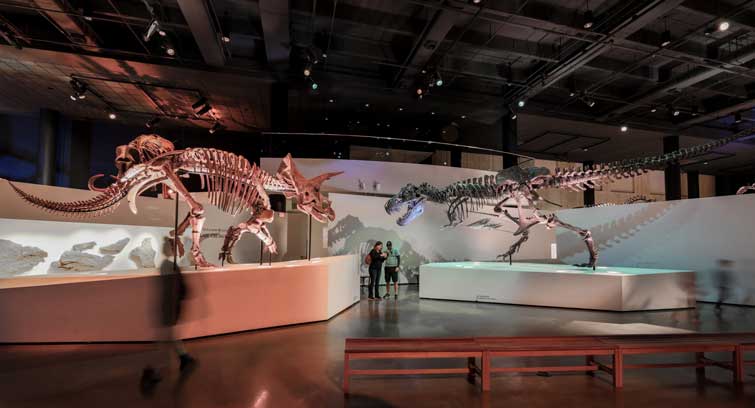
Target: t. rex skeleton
{"x":233,"y":185}
{"x":519,"y":187}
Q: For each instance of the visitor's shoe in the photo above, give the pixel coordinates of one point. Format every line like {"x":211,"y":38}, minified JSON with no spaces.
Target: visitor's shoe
{"x":386,"y":296}
{"x":395,"y":296}
{"x":187,"y":363}
{"x":370,"y":298}
{"x":149,"y":380}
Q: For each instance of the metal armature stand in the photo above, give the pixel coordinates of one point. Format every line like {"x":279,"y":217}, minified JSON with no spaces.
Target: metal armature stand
{"x":175,"y":236}
{"x":262,"y":251}
{"x":309,"y":240}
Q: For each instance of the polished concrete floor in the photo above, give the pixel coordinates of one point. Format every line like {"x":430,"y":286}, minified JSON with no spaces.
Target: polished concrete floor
{"x":301,"y":365}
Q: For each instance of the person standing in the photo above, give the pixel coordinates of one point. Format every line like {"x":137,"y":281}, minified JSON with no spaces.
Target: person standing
{"x":392,"y":264}
{"x":375,"y":259}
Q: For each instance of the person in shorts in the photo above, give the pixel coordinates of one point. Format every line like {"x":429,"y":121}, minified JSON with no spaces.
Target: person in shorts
{"x":392,"y":264}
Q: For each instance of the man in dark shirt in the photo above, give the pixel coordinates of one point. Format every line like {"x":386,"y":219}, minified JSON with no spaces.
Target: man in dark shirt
{"x":376,"y":258}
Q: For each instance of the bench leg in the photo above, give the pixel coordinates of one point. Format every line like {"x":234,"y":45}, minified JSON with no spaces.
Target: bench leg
{"x":590,"y":360}
{"x":700,"y":371}
{"x":739,"y":365}
{"x":471,"y":366}
{"x":485,"y":371}
{"x":618,"y":369}
{"x":346,"y":373}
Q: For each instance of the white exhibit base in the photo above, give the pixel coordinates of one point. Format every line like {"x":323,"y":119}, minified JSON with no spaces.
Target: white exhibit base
{"x":128,"y":307}
{"x":556,"y":285}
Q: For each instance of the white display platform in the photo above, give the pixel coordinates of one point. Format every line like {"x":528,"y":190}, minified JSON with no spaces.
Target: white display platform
{"x":220,"y":300}
{"x":556,"y":285}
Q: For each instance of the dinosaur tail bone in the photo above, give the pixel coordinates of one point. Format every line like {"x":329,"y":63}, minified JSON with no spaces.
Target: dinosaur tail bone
{"x":106,"y":201}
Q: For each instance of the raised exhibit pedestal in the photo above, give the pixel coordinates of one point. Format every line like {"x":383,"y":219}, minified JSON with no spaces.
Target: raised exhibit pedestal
{"x":220,"y":300}
{"x":556,"y":285}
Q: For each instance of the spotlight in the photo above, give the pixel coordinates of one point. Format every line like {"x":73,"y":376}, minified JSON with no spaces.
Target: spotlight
{"x":420,"y":91}
{"x":520,"y":103}
{"x":665,"y":38}
{"x":624,"y":128}
{"x":476,"y":1}
{"x":710,"y":30}
{"x":432,"y":113}
{"x":439,"y":82}
{"x":513,"y":115}
{"x":589,"y":20}
{"x":201,"y":106}
{"x":400,"y":109}
{"x":154,"y":27}
{"x":226,"y":39}
{"x":366,"y":105}
{"x":152,"y":123}
{"x":225,"y":28}
{"x":79,"y":89}
{"x":331,"y":100}
{"x":653,"y":109}
{"x":572,"y":94}
{"x":723,"y":25}
{"x":463,"y":116}
{"x":676,"y":112}
{"x":314,"y":86}
{"x":308,"y":69}
{"x":215,"y":128}
{"x":168,"y":47}
{"x":588,"y":101}
{"x":112,"y":115}
{"x":737,"y":117}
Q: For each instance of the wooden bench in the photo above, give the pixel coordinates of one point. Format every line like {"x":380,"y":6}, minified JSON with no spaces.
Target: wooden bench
{"x":376,"y":349}
{"x":698,"y":344}
{"x":589,"y":347}
{"x":584,"y":346}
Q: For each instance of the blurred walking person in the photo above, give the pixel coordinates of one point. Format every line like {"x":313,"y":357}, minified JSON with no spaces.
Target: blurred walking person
{"x":171,"y":294}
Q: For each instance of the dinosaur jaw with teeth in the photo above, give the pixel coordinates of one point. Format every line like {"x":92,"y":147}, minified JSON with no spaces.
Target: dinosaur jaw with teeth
{"x":414,"y":208}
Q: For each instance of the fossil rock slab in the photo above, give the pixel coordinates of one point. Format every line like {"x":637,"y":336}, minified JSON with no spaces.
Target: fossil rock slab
{"x":116,"y":247}
{"x":84,"y":246}
{"x":16,"y":258}
{"x":75,"y":261}
{"x":144,"y":255}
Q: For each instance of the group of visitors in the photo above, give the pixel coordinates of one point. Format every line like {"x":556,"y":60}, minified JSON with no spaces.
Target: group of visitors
{"x":375,"y":259}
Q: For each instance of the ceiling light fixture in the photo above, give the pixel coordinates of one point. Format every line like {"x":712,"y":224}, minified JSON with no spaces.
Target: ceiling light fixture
{"x":152,"y":123}
{"x":588,"y":19}
{"x":624,"y":128}
{"x":308,"y":69}
{"x":666,"y":34}
{"x":463,"y":116}
{"x":723,"y":25}
{"x":217,"y":126}
{"x":79,"y":89}
{"x":653,"y":109}
{"x":314,"y":86}
{"x":331,"y":100}
{"x":152,"y":29}
{"x":112,"y":115}
{"x":520,"y":103}
{"x":738,"y":117}
{"x":400,"y":109}
{"x":201,"y":106}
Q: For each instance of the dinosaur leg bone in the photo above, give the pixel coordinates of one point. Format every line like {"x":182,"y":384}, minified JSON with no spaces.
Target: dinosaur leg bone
{"x":196,"y":217}
{"x":256,"y":225}
{"x":585,"y":234}
{"x":181,"y":228}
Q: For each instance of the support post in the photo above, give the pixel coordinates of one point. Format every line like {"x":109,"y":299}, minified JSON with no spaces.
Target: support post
{"x":693,"y":184}
{"x":309,"y":239}
{"x":48,"y":129}
{"x":672,"y":173}
{"x":508,"y":140}
{"x":589,"y":194}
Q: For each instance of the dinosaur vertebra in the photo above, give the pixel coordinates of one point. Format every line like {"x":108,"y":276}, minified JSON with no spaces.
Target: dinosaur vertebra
{"x":233,"y":185}
{"x":518,"y":186}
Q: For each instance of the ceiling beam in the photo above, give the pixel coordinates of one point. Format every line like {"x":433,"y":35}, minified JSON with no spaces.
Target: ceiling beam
{"x":693,"y":77}
{"x":721,"y":113}
{"x":56,"y":11}
{"x":274,"y":16}
{"x":200,"y":21}
{"x":630,"y":22}
{"x":429,"y":40}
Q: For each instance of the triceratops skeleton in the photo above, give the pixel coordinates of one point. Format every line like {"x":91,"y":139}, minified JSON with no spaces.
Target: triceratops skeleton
{"x":519,"y":187}
{"x":234,"y":185}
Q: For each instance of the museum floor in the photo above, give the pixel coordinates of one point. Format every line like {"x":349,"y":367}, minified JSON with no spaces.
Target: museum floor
{"x":301,"y":365}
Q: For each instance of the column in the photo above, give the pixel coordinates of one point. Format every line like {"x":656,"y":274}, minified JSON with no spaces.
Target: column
{"x":48,"y":129}
{"x":589,"y":194}
{"x":508,"y":140}
{"x":693,"y":184}
{"x":79,"y":159}
{"x":672,"y":173}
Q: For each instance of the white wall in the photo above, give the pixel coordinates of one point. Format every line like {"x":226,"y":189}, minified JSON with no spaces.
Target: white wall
{"x":692,"y":234}
{"x":362,"y":220}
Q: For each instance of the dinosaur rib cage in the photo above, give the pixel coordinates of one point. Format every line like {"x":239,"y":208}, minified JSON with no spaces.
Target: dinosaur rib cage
{"x":232,"y":183}
{"x":470,"y":195}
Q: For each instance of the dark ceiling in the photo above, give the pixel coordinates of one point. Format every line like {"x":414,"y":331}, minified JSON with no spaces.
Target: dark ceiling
{"x":489,"y":56}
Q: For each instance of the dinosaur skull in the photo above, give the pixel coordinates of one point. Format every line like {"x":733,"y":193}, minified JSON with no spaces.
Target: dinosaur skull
{"x":309,"y":200}
{"x":410,"y":196}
